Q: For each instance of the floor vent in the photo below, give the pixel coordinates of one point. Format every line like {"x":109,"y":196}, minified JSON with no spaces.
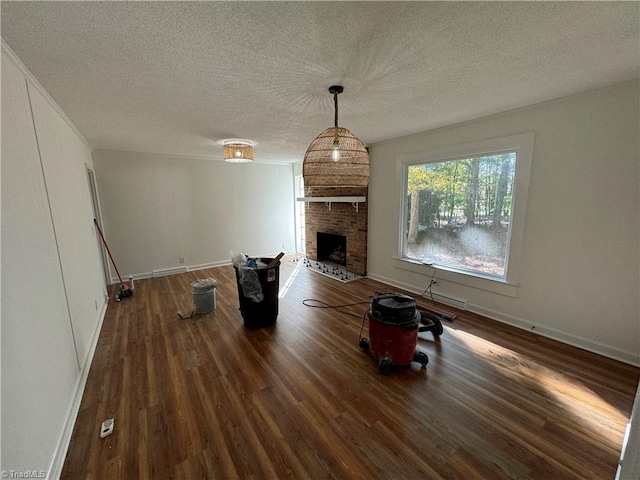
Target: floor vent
{"x":169,"y":271}
{"x":452,"y":302}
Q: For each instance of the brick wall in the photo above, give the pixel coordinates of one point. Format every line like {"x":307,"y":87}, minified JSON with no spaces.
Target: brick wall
{"x":342,"y":219}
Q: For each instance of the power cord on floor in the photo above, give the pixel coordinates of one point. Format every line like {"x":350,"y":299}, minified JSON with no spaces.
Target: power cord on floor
{"x":322,"y":304}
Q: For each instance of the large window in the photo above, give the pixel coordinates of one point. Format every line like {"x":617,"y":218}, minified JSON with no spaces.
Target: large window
{"x":459,"y":211}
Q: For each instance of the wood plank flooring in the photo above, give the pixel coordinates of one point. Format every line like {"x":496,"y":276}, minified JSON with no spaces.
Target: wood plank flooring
{"x":207,"y":398}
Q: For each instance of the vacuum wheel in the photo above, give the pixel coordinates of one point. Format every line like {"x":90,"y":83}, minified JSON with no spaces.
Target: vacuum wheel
{"x":364,"y":344}
{"x":384,"y":365}
{"x":421,"y":358}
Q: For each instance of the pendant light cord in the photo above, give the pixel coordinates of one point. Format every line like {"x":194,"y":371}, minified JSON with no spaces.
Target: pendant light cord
{"x":335,"y":154}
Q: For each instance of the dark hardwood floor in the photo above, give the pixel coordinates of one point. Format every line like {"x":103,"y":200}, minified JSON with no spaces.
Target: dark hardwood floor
{"x":207,"y":398}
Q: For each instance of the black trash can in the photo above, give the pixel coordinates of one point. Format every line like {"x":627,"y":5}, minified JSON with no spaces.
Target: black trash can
{"x":264,"y":313}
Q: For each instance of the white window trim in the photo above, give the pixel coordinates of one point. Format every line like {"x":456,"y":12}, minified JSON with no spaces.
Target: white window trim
{"x":522,"y":144}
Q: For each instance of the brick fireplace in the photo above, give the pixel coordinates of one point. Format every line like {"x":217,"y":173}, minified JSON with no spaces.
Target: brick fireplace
{"x":342,"y":219}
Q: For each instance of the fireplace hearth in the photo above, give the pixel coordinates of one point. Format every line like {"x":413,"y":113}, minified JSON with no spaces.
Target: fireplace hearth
{"x":328,"y":269}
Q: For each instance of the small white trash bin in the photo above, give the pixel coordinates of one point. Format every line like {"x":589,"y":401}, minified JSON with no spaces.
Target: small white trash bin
{"x":204,"y":294}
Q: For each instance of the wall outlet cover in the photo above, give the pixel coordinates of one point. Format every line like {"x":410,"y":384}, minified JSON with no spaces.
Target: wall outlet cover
{"x":107,"y":427}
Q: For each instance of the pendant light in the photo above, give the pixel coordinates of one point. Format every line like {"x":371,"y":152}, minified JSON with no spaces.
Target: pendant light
{"x":336,"y":158}
{"x":237,"y":150}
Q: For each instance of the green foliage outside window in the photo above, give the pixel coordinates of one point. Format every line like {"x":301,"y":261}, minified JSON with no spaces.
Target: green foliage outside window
{"x":458,"y":212}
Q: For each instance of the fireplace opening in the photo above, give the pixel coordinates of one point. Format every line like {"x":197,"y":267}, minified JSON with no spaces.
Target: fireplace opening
{"x":332,"y":248}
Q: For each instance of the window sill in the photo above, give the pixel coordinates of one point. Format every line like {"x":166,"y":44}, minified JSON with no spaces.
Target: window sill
{"x":443,"y":273}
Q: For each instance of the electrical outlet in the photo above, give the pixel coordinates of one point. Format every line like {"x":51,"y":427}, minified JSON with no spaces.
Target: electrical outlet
{"x":107,"y":427}
{"x":183,"y":260}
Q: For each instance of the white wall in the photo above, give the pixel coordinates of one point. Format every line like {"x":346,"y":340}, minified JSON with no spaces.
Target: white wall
{"x":158,"y":208}
{"x":64,"y":159}
{"x":579,"y":276}
{"x":297,"y":168}
{"x":52,"y":288}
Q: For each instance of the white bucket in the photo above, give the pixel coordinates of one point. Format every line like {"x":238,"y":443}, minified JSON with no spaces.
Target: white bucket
{"x":204,"y":295}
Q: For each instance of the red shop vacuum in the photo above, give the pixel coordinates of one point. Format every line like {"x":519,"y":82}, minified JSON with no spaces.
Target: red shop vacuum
{"x":394,"y":324}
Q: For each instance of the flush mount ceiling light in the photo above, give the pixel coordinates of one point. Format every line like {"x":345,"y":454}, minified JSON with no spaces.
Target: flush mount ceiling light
{"x":336,"y":158}
{"x":237,"y":150}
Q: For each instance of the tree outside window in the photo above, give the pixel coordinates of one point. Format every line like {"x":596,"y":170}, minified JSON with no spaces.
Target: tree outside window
{"x":458,"y":212}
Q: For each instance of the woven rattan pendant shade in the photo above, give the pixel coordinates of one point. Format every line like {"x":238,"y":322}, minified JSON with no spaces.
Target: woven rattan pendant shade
{"x":351,"y":170}
{"x":320,"y":167}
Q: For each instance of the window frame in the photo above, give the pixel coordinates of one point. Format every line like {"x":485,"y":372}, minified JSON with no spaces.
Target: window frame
{"x":522,"y":144}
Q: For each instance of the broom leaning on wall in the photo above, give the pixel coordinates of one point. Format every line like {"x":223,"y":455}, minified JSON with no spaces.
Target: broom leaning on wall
{"x":126,"y":290}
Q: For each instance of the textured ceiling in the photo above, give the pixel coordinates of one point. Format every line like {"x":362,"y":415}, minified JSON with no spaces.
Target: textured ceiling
{"x":173,"y":77}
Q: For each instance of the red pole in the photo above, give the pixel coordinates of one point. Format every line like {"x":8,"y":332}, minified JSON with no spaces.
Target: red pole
{"x":104,"y":242}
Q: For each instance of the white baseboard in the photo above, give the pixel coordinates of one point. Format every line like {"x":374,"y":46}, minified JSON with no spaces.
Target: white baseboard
{"x":554,"y":334}
{"x":570,"y":339}
{"x":193,"y":268}
{"x":446,"y":300}
{"x":62,"y":446}
{"x":438,"y":297}
{"x":170,"y":271}
{"x":394,"y":283}
{"x":136,"y":276}
{"x":190,"y":268}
